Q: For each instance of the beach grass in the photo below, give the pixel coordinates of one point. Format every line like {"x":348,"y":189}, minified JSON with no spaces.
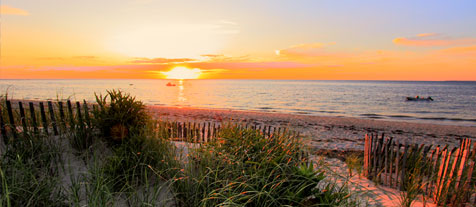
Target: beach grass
{"x":134,"y":165}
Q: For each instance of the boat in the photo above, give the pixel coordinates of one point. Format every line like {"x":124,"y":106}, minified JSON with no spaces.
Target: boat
{"x":170,"y":84}
{"x":418,"y":98}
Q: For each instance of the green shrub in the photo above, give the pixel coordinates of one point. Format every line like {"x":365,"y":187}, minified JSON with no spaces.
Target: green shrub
{"x":121,"y":116}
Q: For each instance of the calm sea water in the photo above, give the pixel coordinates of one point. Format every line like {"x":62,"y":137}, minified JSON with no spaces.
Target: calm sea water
{"x":455,"y":102}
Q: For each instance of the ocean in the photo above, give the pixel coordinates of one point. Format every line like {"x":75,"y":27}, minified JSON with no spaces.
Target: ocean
{"x":454,"y":101}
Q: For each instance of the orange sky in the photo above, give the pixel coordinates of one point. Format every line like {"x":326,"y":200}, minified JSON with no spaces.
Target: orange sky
{"x":141,"y":39}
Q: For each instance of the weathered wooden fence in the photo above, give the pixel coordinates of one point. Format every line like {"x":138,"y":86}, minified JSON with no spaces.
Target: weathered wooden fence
{"x":444,"y":175}
{"x":59,"y":116}
{"x":51,"y":119}
{"x":202,"y":132}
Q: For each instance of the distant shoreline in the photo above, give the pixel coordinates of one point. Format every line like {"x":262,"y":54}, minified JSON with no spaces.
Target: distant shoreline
{"x":237,"y":79}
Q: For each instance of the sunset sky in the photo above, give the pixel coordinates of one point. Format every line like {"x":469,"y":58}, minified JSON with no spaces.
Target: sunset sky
{"x":241,"y":39}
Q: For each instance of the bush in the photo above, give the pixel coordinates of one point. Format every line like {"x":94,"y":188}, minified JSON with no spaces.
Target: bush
{"x":121,"y":117}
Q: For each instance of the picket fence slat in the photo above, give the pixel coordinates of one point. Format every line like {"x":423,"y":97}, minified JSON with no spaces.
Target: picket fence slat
{"x":2,"y":127}
{"x":22,"y":117}
{"x":52,"y":117}
{"x":11,"y":118}
{"x":43,"y":118}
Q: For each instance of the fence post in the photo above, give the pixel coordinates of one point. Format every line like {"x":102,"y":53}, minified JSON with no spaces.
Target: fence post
{"x":2,"y":127}
{"x":214,"y":130}
{"x":52,"y":116}
{"x":444,"y":153}
{"x":209,"y":135}
{"x":397,"y":165}
{"x":197,"y":132}
{"x":33,"y":118}
{"x":43,"y":118}
{"x":467,"y":184}
{"x":61,"y":110}
{"x":374,"y":156}
{"x":203,"y":131}
{"x":452,"y":169}
{"x":464,"y":157}
{"x":11,"y":118}
{"x":86,"y":113}
{"x":404,"y":165}
{"x":188,"y":132}
{"x":429,"y":173}
{"x":434,"y":170}
{"x":366,"y":155}
{"x":269,"y":130}
{"x":71,"y":115}
{"x":390,"y":163}
{"x":78,"y":113}
{"x":23,"y":118}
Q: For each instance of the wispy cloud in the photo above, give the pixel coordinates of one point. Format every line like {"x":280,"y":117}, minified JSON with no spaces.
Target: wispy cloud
{"x":469,"y":51}
{"x":309,"y":49}
{"x":212,"y":55}
{"x":86,"y":57}
{"x":432,"y":39}
{"x":251,"y":65}
{"x":226,"y":58}
{"x":162,"y":60}
{"x":8,"y":10}
{"x":426,"y":34}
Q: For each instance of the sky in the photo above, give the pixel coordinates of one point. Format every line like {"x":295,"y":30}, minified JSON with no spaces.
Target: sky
{"x":239,"y":39}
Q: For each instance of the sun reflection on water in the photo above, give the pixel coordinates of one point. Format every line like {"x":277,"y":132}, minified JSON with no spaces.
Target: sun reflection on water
{"x":181,"y":97}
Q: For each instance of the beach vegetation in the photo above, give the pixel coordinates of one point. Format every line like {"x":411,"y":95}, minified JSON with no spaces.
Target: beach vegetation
{"x":29,"y":169}
{"x":119,"y":115}
{"x":354,"y":162}
{"x":142,"y":167}
{"x":243,"y":168}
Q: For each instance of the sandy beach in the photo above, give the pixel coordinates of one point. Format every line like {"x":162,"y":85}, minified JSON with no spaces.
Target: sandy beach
{"x":334,"y":137}
{"x":325,"y":133}
{"x":329,"y":138}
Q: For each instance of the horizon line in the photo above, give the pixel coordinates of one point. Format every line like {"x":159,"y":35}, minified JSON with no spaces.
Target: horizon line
{"x":235,"y":79}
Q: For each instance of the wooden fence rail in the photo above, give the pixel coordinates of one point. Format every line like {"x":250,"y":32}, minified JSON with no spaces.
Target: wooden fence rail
{"x":445,"y":175}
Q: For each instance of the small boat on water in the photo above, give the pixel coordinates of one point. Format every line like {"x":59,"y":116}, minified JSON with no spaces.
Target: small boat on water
{"x":418,"y":98}
{"x":170,"y":84}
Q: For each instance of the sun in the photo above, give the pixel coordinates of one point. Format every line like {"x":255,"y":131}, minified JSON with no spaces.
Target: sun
{"x":183,"y":73}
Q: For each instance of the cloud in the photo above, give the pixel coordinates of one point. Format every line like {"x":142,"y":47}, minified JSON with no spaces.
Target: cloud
{"x":7,"y":10}
{"x":162,"y":60}
{"x":212,"y":55}
{"x":225,"y":58}
{"x":52,"y":58}
{"x":426,"y":34}
{"x":251,"y":65}
{"x":432,"y":39}
{"x":459,"y":51}
{"x":85,"y":57}
{"x":310,"y":49}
